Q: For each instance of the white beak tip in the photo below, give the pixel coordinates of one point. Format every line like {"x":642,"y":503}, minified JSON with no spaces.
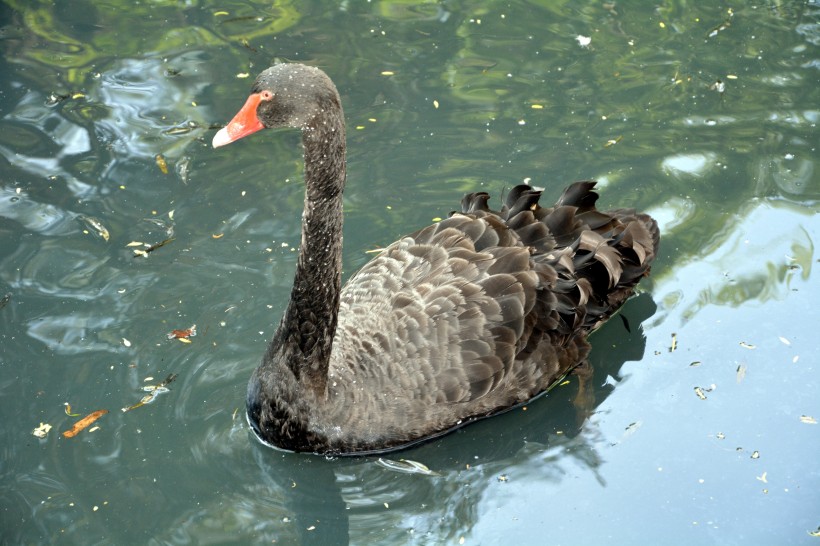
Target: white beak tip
{"x":221,"y":138}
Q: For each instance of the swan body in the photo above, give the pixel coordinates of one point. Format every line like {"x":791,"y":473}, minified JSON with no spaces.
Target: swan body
{"x":463,"y":319}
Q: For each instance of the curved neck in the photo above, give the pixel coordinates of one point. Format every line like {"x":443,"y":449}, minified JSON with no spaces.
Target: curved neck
{"x":305,"y":336}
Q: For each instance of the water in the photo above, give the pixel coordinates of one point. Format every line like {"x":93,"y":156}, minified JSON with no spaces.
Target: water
{"x":481,"y":96}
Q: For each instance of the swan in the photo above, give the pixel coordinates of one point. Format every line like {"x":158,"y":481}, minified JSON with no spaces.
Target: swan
{"x":461,"y":320}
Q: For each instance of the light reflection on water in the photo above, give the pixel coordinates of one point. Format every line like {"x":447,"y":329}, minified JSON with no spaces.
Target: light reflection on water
{"x":731,"y":178}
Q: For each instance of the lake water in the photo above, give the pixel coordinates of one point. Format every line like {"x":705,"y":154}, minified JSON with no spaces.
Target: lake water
{"x":704,"y":426}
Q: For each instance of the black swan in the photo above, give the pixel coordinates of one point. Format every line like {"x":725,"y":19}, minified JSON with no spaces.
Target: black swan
{"x":461,"y":320}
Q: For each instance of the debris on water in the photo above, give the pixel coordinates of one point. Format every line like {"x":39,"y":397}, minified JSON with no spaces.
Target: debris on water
{"x":701,"y":391}
{"x":153,"y":391}
{"x":247,"y":45}
{"x":95,"y":226}
{"x":755,"y":454}
{"x":126,"y":342}
{"x":5,"y":300}
{"x":182,"y":334}
{"x":183,"y":129}
{"x":695,"y":363}
{"x":741,"y":372}
{"x":150,"y":248}
{"x":68,"y":410}
{"x":56,"y":98}
{"x":808,"y":419}
{"x":721,"y":27}
{"x":183,"y":169}
{"x":718,"y":86}
{"x":762,"y":478}
{"x":406,"y":466}
{"x":747,"y":345}
{"x":42,"y":430}
{"x":161,"y":163}
{"x":583,"y":41}
{"x":784,"y":341}
{"x":674,"y":344}
{"x":83,"y":423}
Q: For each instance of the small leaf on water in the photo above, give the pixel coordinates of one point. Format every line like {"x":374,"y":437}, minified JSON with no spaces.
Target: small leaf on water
{"x":96,"y":226}
{"x":161,"y":163}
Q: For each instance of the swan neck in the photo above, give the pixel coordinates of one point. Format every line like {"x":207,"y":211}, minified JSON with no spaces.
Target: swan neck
{"x":310,"y":321}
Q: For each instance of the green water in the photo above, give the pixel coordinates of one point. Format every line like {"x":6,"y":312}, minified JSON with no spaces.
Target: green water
{"x":706,"y":116}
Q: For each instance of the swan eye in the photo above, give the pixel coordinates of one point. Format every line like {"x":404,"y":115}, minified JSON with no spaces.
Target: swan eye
{"x":266,"y":95}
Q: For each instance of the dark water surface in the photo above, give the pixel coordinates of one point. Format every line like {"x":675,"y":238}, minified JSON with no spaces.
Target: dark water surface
{"x":703,"y":429}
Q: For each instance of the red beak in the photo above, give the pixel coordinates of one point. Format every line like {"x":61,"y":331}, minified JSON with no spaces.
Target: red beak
{"x":243,"y":123}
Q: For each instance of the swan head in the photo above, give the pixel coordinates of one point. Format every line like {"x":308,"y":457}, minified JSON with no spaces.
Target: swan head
{"x":284,"y":95}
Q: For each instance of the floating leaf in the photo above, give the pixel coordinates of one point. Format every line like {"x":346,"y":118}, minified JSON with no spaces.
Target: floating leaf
{"x":68,"y":410}
{"x":161,"y":163}
{"x":84,"y":422}
{"x":182,"y":334}
{"x":95,"y":225}
{"x":809,"y":420}
{"x":42,"y":430}
{"x":747,"y":345}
